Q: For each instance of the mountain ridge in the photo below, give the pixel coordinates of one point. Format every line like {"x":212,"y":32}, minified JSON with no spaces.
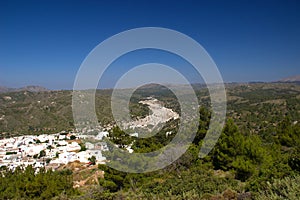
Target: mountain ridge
{"x":295,"y":78}
{"x":37,"y":88}
{"x":29,"y":88}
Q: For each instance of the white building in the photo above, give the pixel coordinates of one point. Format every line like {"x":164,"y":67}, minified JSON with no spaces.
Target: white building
{"x":97,"y":154}
{"x":34,"y":149}
{"x":101,"y":135}
{"x":74,"y":146}
{"x":89,"y":145}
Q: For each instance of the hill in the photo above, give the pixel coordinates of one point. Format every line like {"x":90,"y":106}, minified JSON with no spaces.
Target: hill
{"x":35,"y":112}
{"x":258,"y":151}
{"x":31,"y":88}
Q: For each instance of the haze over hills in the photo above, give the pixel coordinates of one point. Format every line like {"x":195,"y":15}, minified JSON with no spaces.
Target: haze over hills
{"x":30,"y":88}
{"x":295,"y":78}
{"x":37,"y":88}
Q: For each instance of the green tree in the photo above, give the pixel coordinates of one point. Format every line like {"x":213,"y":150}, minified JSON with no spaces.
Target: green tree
{"x":82,"y":147}
{"x":119,"y":137}
{"x":72,"y":137}
{"x":42,"y":153}
{"x":92,"y":160}
{"x":204,"y":121}
{"x":243,"y":154}
{"x":229,"y":145}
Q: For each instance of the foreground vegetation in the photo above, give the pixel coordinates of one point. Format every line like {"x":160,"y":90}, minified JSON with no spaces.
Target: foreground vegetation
{"x":240,"y":166}
{"x":27,"y":184}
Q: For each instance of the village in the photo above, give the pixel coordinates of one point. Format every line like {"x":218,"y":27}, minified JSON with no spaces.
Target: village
{"x":51,"y":151}
{"x":85,"y":146}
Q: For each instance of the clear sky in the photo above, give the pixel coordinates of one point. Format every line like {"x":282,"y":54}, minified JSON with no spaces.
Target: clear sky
{"x":44,"y":42}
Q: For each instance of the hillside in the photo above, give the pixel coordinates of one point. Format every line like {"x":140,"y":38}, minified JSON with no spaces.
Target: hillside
{"x":256,"y":156}
{"x":28,"y":112}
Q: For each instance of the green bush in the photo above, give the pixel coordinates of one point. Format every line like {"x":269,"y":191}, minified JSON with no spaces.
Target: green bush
{"x":286,"y":188}
{"x":27,"y":184}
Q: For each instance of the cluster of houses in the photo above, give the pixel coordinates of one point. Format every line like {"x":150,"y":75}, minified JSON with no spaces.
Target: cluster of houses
{"x":51,"y":151}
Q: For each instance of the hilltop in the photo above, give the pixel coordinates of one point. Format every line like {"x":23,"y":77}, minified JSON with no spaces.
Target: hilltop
{"x":30,"y":88}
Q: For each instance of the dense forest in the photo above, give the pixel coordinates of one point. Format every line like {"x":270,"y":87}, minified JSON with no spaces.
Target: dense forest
{"x":256,"y":157}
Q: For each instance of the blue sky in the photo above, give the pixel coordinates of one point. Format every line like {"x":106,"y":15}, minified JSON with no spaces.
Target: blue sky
{"x":45,"y":42}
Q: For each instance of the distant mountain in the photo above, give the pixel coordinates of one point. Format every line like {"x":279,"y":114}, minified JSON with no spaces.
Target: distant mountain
{"x":291,"y":79}
{"x":4,"y":89}
{"x":31,"y":88}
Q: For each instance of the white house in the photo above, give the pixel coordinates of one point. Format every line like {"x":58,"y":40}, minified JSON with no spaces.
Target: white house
{"x":134,"y":134}
{"x":89,"y":145}
{"x":101,"y":146}
{"x":83,"y":157}
{"x":67,"y":157}
{"x":62,"y":143}
{"x":74,"y":146}
{"x":97,"y":154}
{"x":34,"y":149}
{"x":101,"y":135}
{"x":42,"y":138}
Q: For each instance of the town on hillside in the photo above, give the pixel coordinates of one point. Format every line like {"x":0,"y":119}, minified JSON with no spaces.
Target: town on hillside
{"x":51,"y":151}
{"x":86,"y":146}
